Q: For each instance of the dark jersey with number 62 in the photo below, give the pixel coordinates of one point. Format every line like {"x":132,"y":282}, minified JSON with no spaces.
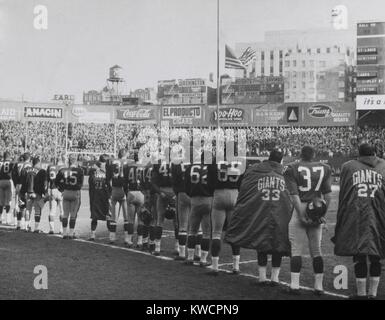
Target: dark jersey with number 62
{"x":308,"y":180}
{"x":200,"y":180}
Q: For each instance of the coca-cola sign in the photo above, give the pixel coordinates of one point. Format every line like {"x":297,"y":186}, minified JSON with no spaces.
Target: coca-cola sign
{"x":135,"y":114}
{"x":320,"y":111}
{"x":229,"y":114}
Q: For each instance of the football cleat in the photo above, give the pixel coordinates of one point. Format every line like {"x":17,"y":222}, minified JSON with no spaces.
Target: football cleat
{"x":179,"y":258}
{"x":73,"y":237}
{"x":319,"y":293}
{"x":189,"y":262}
{"x":262,"y":283}
{"x":144,"y":247}
{"x":91,"y":239}
{"x":293,"y":292}
{"x":213,"y":273}
{"x":371,"y":297}
{"x":197,"y":258}
{"x":356,"y":297}
{"x":156,"y":253}
{"x":204,"y":264}
{"x":51,"y":233}
{"x":274,"y":284}
{"x":128,"y":244}
{"x":235,"y":271}
{"x":66,"y":237}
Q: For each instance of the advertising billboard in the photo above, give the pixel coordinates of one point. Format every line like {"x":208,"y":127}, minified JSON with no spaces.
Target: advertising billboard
{"x":370,"y":102}
{"x":44,"y":113}
{"x":183,"y":115}
{"x":146,"y":115}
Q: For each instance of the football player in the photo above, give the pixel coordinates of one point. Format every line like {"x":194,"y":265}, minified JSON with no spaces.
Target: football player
{"x":144,"y":174}
{"x":162,"y":185}
{"x":200,"y":181}
{"x":360,"y":227}
{"x":262,"y":215}
{"x":116,"y":179}
{"x":183,"y":204}
{"x":55,"y":197}
{"x":100,"y":194}
{"x":25,"y":168}
{"x":224,"y":200}
{"x":70,"y":181}
{"x":306,"y":180}
{"x":6,"y":168}
{"x":135,"y":201}
{"x":16,"y":178}
{"x":36,"y":180}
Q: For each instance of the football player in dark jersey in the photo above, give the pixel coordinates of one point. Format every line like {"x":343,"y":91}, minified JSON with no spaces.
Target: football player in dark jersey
{"x":200,"y":181}
{"x":144,"y":174}
{"x":224,"y":200}
{"x":16,"y":173}
{"x":306,"y":180}
{"x":55,"y":197}
{"x":360,"y":227}
{"x":6,"y":167}
{"x":100,"y":194}
{"x":135,"y":201}
{"x":36,"y":180}
{"x":25,"y":168}
{"x":162,"y":185}
{"x":183,"y":203}
{"x":116,"y":179}
{"x":70,"y":181}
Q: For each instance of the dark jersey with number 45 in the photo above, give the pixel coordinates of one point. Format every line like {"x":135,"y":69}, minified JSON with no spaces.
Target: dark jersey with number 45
{"x":308,"y":180}
{"x":200,"y":180}
{"x":69,"y":179}
{"x":161,"y":175}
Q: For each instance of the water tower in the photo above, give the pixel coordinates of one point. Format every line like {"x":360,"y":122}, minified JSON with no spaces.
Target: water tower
{"x":115,"y":80}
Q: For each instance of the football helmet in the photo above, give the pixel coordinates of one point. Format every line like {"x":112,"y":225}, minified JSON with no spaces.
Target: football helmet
{"x":145,"y":216}
{"x":316,"y":209}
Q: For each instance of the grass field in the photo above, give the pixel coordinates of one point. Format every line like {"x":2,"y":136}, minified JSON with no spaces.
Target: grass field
{"x":78,"y":269}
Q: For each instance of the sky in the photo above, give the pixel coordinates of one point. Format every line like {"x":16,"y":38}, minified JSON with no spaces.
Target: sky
{"x":151,"y":39}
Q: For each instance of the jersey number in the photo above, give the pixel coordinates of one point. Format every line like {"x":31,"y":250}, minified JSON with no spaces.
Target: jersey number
{"x":5,"y":166}
{"x":196,"y":176}
{"x":367,"y":190}
{"x":70,"y":178}
{"x":271,"y":194}
{"x":307,"y":177}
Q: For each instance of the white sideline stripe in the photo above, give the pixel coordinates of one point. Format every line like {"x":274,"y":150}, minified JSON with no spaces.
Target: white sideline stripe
{"x":171,"y":259}
{"x":222,"y":270}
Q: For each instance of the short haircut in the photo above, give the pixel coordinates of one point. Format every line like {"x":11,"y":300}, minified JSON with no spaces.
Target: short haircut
{"x":71,"y":159}
{"x":35,"y":161}
{"x":366,"y":149}
{"x":27,"y":156}
{"x":7,"y":155}
{"x":276,"y":155}
{"x":307,"y":153}
{"x":122,"y":153}
{"x":103,"y":158}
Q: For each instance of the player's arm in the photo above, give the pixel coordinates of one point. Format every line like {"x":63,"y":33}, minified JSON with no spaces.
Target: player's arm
{"x":81,"y":178}
{"x":292,"y":187}
{"x":187,"y":181}
{"x":59,"y":181}
{"x":326,"y":187}
{"x":155,"y":180}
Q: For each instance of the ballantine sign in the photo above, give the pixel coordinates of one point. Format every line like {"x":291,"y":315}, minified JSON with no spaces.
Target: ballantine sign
{"x":229,"y":114}
{"x":135,"y":114}
{"x":320,"y":111}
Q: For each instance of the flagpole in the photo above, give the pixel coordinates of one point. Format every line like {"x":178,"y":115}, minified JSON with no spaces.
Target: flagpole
{"x":218,"y":84}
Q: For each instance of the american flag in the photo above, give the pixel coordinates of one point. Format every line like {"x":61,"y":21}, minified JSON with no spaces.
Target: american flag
{"x":231,"y":61}
{"x":248,"y":56}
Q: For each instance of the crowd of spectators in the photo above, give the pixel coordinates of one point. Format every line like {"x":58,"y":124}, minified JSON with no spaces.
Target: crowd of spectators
{"x":48,"y":139}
